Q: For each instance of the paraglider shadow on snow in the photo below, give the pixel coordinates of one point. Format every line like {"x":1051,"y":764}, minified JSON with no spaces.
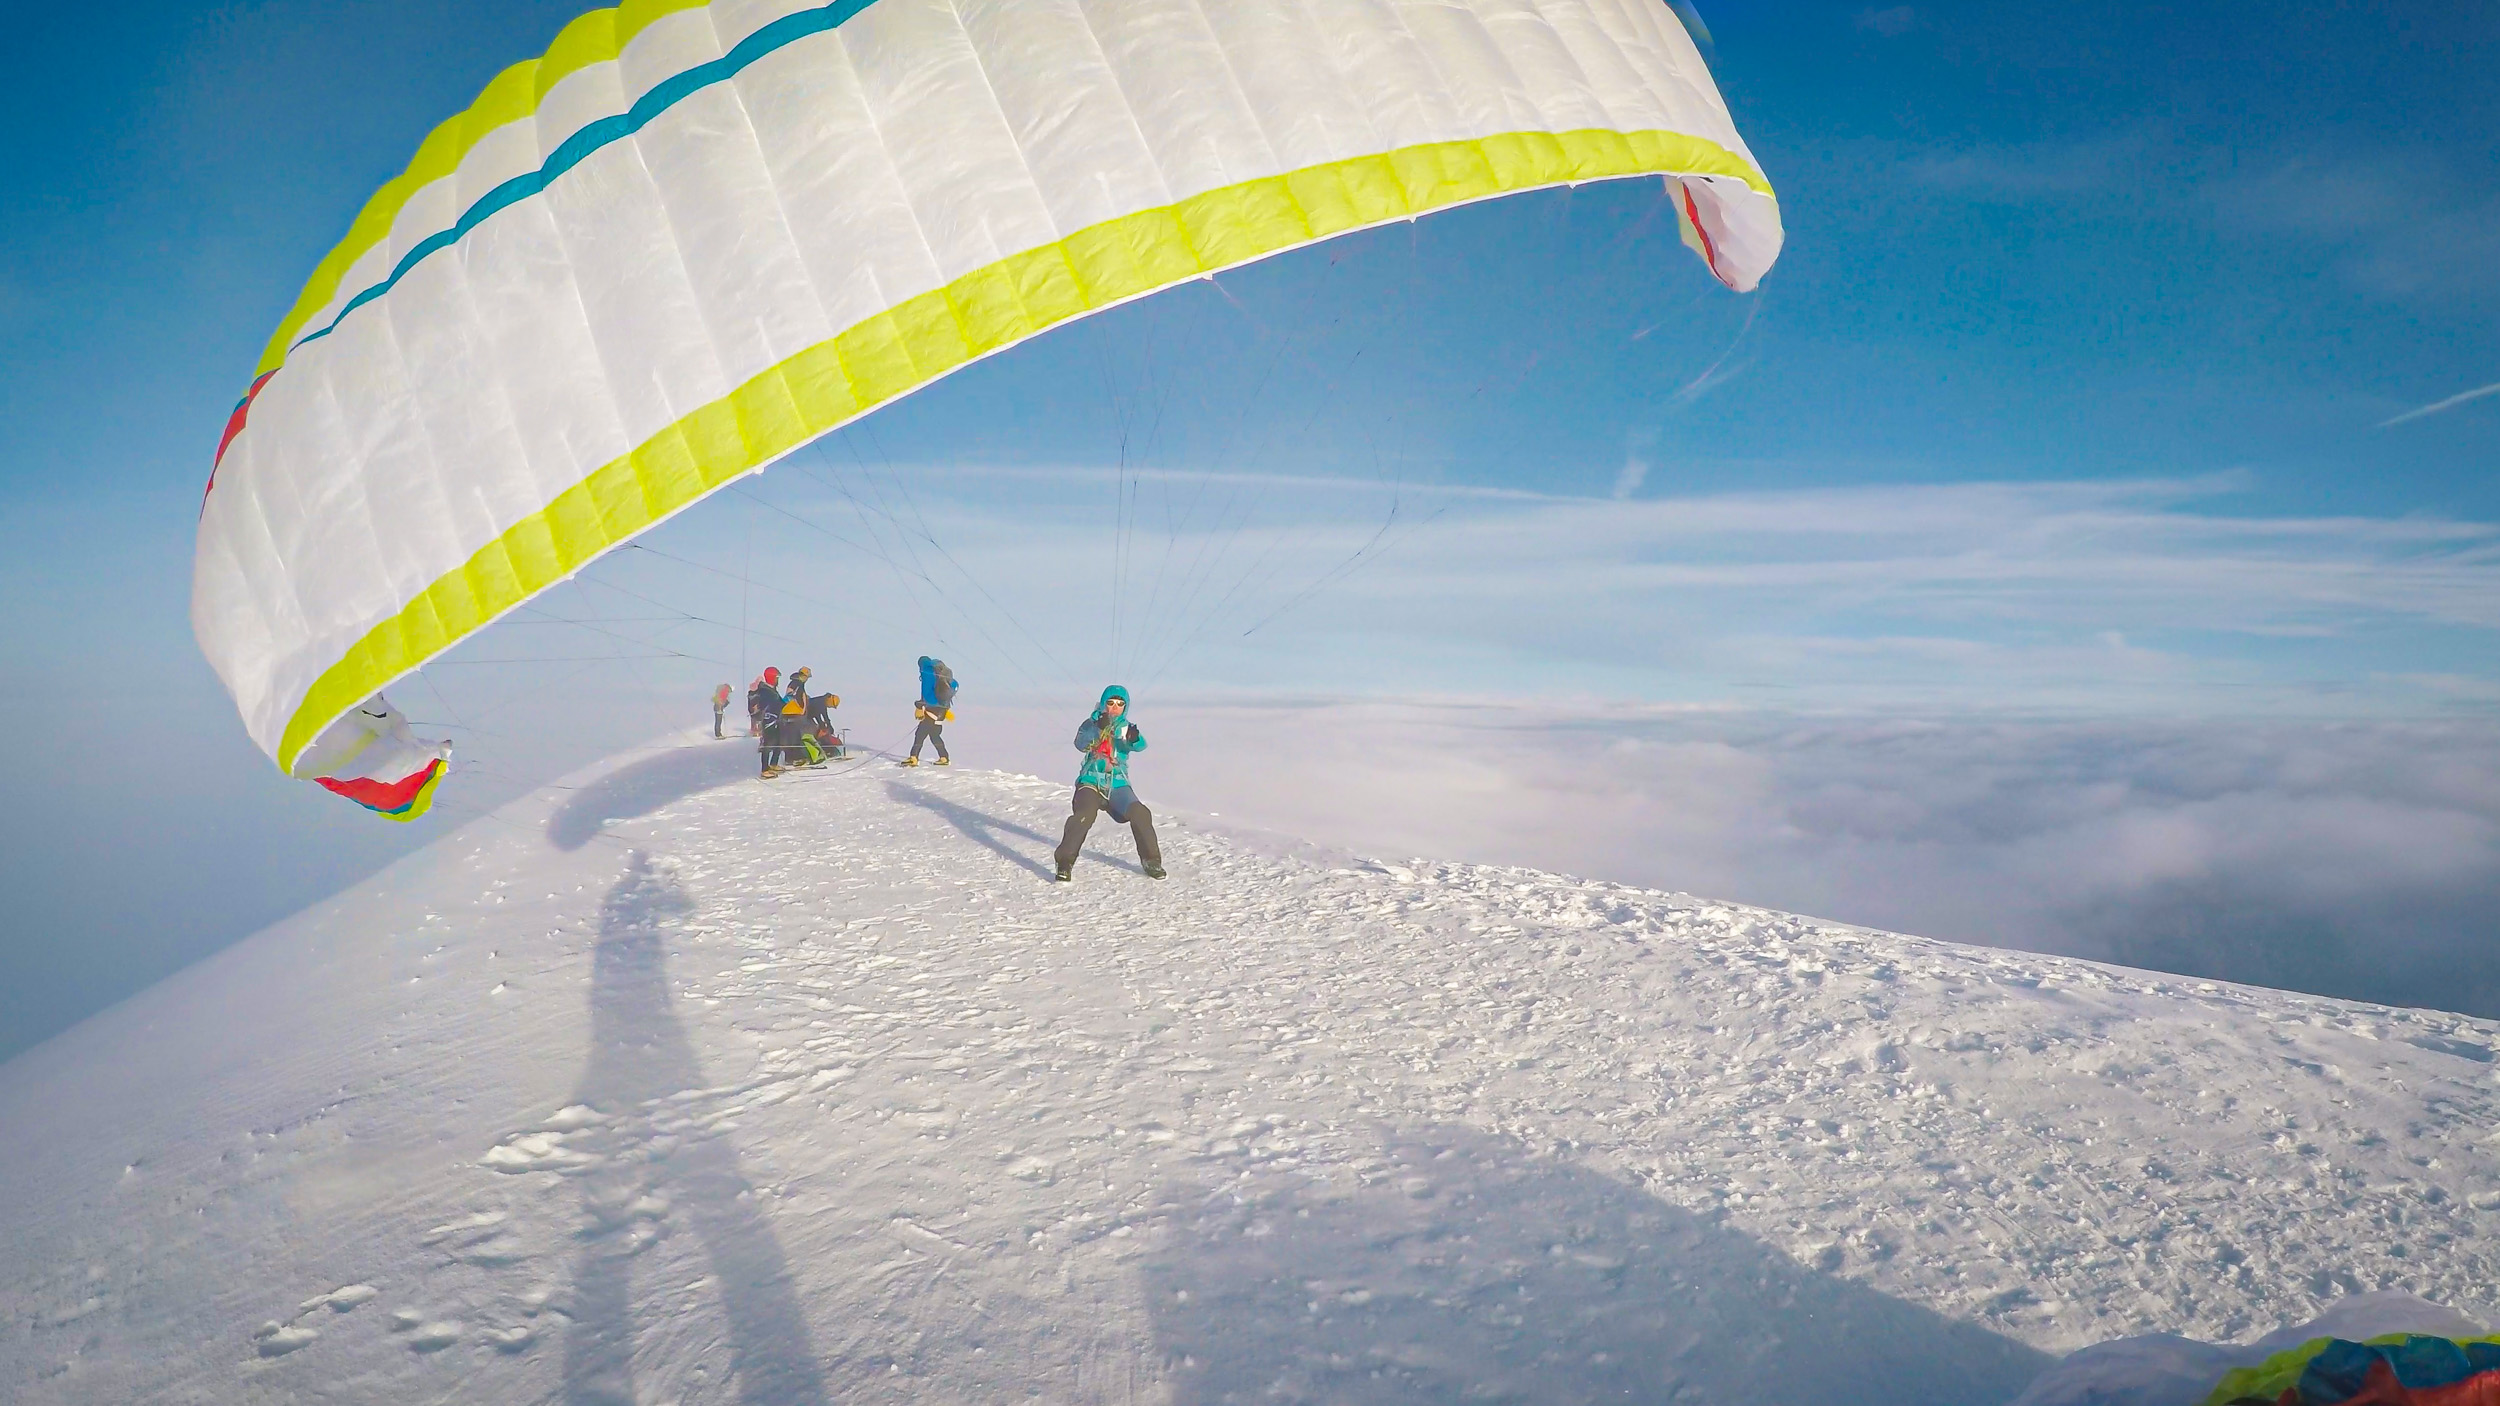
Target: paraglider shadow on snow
{"x":1468,"y":1267}
{"x":646,"y":1181}
{"x":981,"y":828}
{"x":645,"y":786}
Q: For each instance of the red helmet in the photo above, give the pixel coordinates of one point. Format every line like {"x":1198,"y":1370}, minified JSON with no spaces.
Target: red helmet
{"x":772,"y":676}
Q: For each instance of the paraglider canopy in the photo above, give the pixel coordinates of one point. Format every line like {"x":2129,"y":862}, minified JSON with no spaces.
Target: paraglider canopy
{"x":2399,"y":1369}
{"x":693,"y":237}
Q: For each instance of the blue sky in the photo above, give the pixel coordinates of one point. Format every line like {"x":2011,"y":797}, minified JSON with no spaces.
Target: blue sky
{"x":2070,"y":396}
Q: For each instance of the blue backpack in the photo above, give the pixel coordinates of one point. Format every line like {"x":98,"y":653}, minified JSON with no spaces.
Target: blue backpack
{"x":937,"y":684}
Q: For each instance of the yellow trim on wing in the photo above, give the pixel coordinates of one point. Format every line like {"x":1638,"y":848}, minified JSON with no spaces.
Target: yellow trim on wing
{"x":423,"y":801}
{"x":511,"y":96}
{"x":923,"y":338}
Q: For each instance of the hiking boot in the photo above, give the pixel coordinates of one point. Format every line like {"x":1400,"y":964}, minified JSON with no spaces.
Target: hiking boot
{"x":1063,"y":875}
{"x":944,"y":762}
{"x":911,"y":761}
{"x":770,"y":772}
{"x":1154,"y":871}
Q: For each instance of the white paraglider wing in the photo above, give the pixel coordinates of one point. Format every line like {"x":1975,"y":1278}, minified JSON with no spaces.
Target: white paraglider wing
{"x":691,"y":238}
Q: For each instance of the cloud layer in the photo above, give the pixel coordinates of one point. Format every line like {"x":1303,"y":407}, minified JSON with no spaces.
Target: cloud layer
{"x":2351,"y":859}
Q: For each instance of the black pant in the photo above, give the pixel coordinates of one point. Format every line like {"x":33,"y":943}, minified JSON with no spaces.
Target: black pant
{"x":780,"y":737}
{"x":1087,"y":804}
{"x":930,"y":730}
{"x":716,"y":717}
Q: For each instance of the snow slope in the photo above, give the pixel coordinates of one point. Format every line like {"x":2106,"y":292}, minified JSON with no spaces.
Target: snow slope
{"x":670,"y":1086}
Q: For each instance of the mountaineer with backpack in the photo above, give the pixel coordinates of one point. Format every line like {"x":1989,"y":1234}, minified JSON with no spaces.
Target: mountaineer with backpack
{"x":932,"y":709}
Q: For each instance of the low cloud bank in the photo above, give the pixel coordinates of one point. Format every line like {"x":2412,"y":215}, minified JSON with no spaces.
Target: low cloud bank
{"x":2349,"y":859}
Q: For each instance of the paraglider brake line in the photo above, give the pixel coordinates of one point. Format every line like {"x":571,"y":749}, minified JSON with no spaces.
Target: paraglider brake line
{"x":684,"y":617}
{"x":926,"y":535}
{"x":733,"y":576}
{"x":582,"y":659}
{"x":1343,"y":569}
{"x":803,"y":522}
{"x":664,"y":651}
{"x":917,"y":570}
{"x":860,"y":510}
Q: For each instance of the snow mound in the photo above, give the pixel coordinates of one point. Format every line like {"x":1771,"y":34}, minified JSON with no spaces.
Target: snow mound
{"x":668,"y":1085}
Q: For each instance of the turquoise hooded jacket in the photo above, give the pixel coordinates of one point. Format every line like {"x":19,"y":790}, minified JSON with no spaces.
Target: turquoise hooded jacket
{"x":1106,"y":766}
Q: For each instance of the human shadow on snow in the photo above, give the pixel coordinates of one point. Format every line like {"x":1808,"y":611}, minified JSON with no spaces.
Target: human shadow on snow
{"x":982,"y":829}
{"x":646,"y":1179}
{"x":1469,"y":1269}
{"x":642,"y":787}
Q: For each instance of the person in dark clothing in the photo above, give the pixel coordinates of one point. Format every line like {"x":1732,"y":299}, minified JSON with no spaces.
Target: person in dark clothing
{"x":763,"y":700}
{"x":1107,"y":739}
{"x":932,"y":710}
{"x":788,"y":726}
{"x":931,"y":728}
{"x":763,"y":707}
{"x":812,"y":738}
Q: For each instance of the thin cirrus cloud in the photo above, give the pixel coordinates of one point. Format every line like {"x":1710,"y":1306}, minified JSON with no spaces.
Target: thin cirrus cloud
{"x":2141,"y":593}
{"x":2405,"y":226}
{"x":2106,"y":555}
{"x":2024,"y":171}
{"x":2437,"y":407}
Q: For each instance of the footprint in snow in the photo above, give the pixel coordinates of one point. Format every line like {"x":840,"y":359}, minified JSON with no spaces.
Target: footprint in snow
{"x":535,"y":1152}
{"x":341,"y":1300}
{"x":276,"y":1339}
{"x":434,"y":1337}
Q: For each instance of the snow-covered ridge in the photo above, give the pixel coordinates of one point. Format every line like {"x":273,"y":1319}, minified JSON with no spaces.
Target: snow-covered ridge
{"x":672,"y":1086}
